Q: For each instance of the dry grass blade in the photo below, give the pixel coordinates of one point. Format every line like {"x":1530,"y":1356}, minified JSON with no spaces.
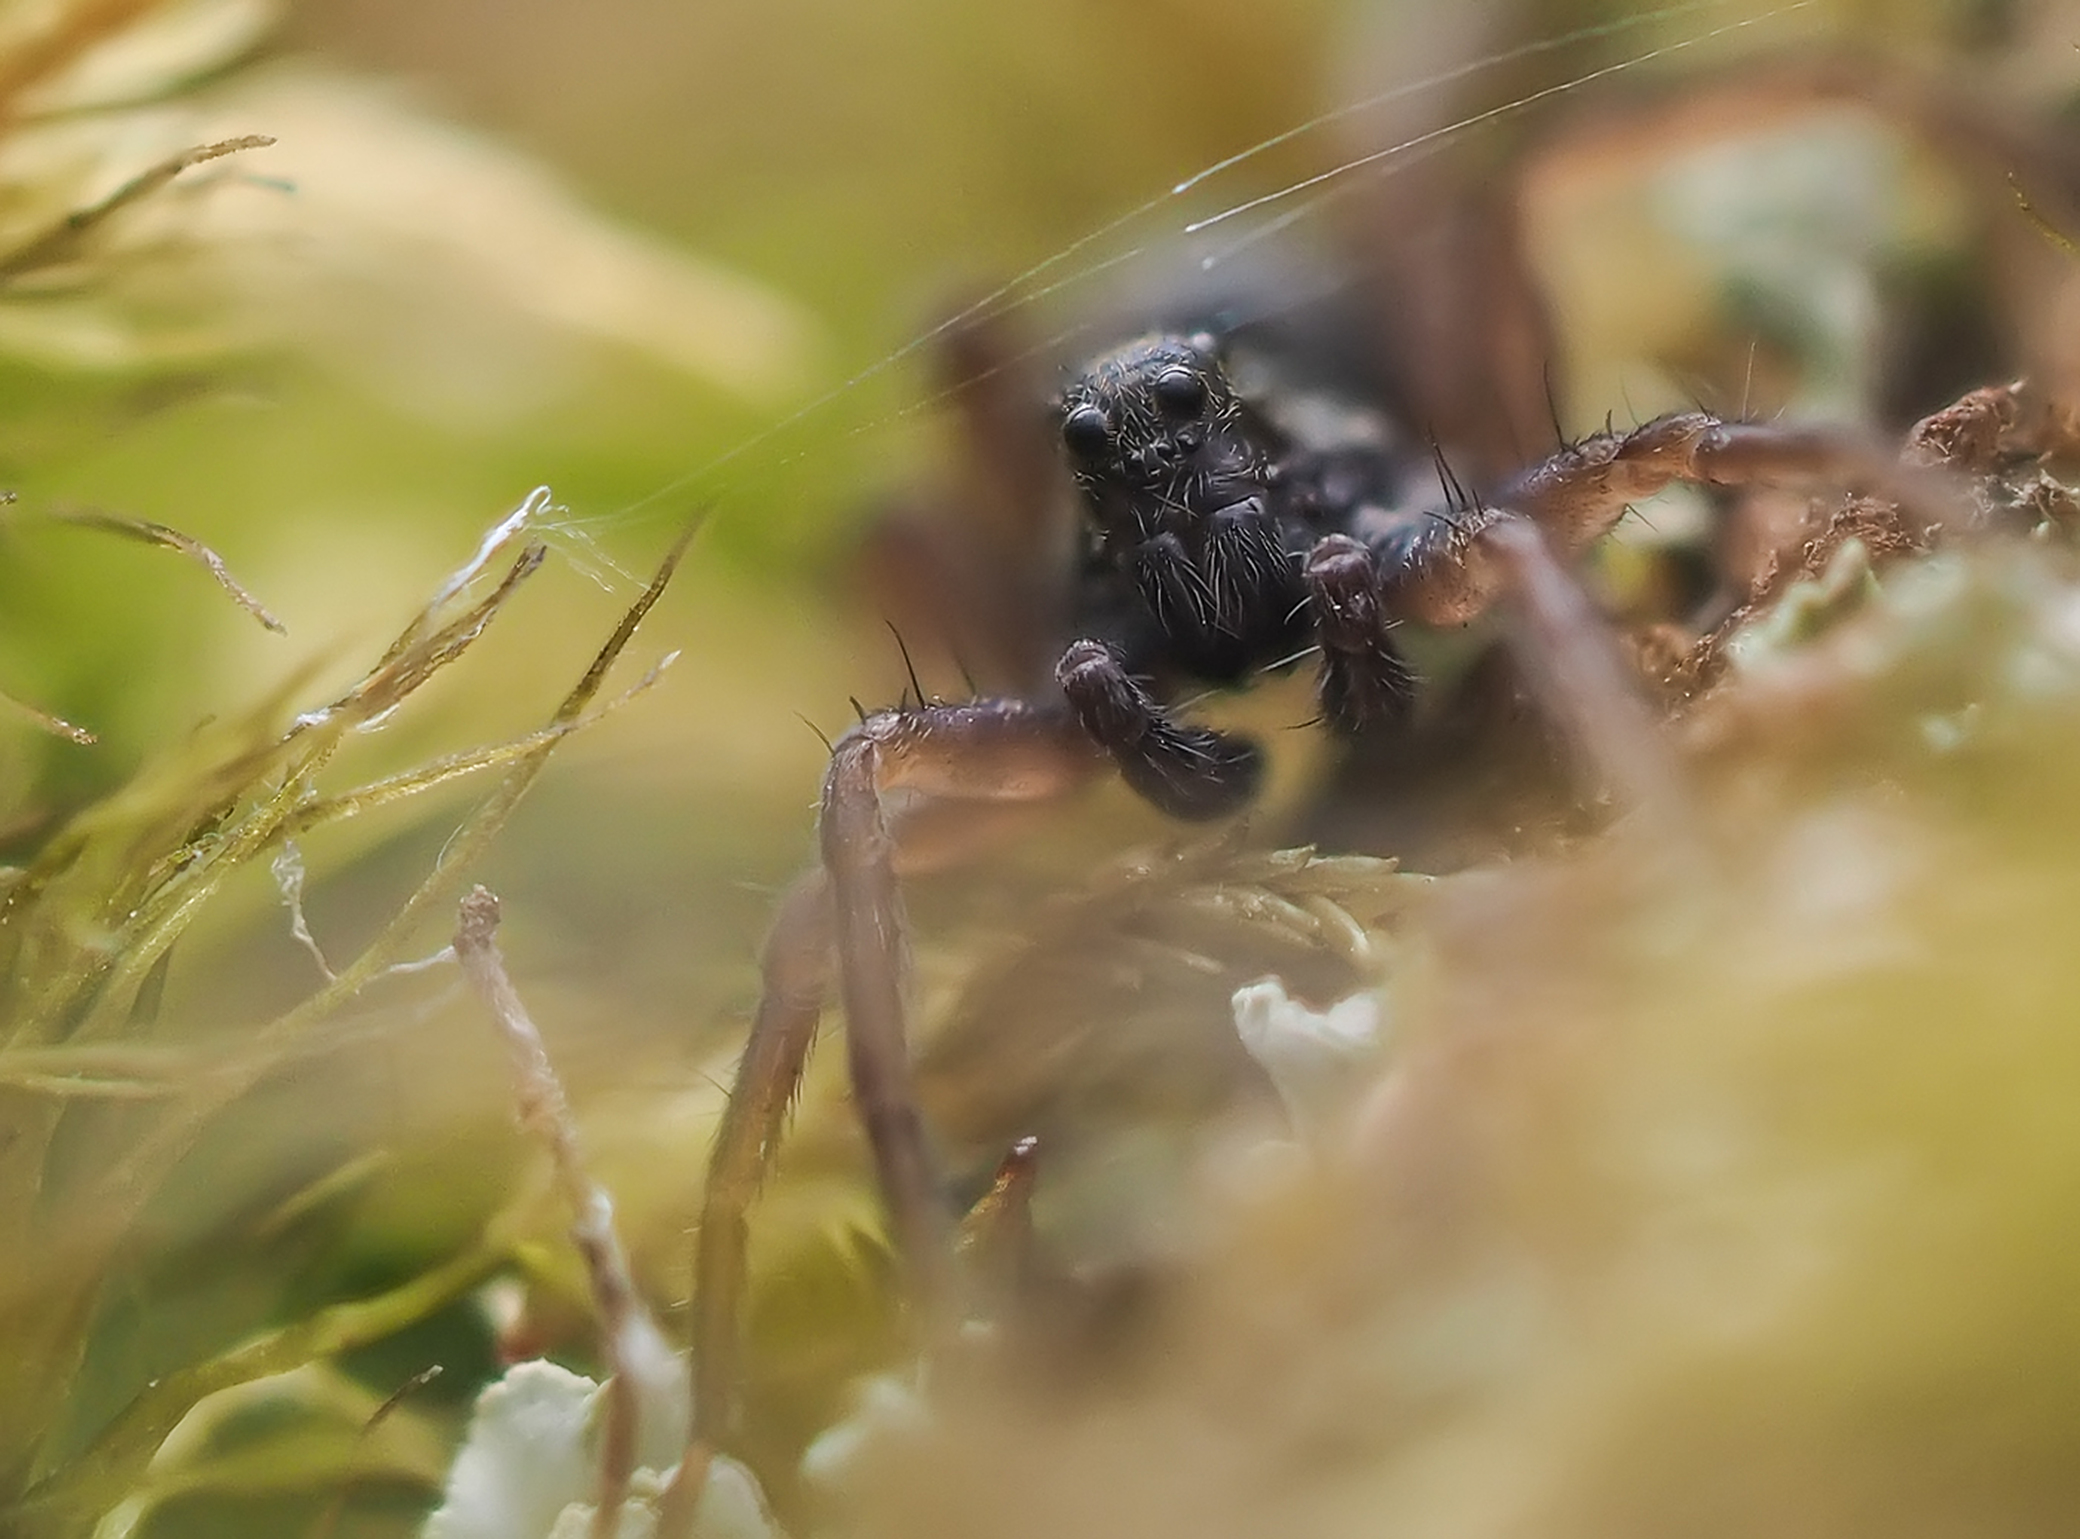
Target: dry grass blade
{"x":63,"y":240}
{"x":56,"y":726}
{"x":438,"y":772}
{"x":419,"y":654}
{"x":173,"y":539}
{"x":124,"y":1183}
{"x":628,"y":1336}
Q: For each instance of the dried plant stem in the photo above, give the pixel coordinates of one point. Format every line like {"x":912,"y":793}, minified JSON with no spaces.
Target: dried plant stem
{"x":123,"y":1185}
{"x":62,"y":240}
{"x":171,"y":539}
{"x":625,"y":1326}
{"x":56,"y":726}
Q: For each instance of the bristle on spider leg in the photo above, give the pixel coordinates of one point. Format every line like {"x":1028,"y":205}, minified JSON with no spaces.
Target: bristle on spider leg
{"x":909,"y":667}
{"x":1545,"y":370}
{"x":1455,"y":497}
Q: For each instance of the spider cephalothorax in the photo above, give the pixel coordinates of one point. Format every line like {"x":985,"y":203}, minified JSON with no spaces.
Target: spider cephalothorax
{"x":1180,"y":485}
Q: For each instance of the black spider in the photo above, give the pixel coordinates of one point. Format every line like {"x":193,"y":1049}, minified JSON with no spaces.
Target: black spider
{"x":1250,"y":494}
{"x":1225,"y":536}
{"x":1219,"y":536}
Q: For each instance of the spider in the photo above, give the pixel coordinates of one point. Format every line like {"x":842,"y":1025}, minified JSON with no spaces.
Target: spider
{"x":1217,"y":542}
{"x":1237,"y":512}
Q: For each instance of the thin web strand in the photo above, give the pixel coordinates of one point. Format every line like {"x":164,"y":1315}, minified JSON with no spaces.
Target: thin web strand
{"x":1358,"y":163}
{"x":1016,"y":291}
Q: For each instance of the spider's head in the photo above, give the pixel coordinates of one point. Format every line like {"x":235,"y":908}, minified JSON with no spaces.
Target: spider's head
{"x":1176,"y":480}
{"x":1153,"y":429}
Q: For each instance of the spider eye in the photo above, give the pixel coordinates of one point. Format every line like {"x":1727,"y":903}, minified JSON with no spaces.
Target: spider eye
{"x":1180,"y":392}
{"x":1087,"y":432}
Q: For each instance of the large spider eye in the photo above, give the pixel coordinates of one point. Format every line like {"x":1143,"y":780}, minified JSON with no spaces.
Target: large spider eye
{"x":1087,"y":432}
{"x":1180,"y":392}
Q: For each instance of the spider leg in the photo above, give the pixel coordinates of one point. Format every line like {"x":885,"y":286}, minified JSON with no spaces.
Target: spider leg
{"x":1562,"y":645}
{"x":1567,"y":651}
{"x":967,"y":765}
{"x":1364,"y":680}
{"x":1444,"y":575}
{"x":992,"y":750}
{"x":794,"y":980}
{"x":1514,"y":551}
{"x":1188,"y":772}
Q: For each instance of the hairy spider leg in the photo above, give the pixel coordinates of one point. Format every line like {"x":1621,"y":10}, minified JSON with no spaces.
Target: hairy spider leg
{"x":975,"y":767}
{"x":1515,"y":551}
{"x":1189,"y":772}
{"x":1444,"y":576}
{"x":794,"y":983}
{"x":1364,"y":681}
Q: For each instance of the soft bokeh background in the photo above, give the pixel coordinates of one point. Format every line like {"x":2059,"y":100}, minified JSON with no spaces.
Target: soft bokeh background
{"x":779,"y":196}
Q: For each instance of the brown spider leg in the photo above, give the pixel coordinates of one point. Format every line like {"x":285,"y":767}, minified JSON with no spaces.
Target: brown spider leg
{"x":1576,"y":495}
{"x":991,"y":750}
{"x":1364,"y":680}
{"x":962,"y":758}
{"x":794,"y":980}
{"x":1565,"y":648}
{"x":1515,"y":551}
{"x":1562,"y":645}
{"x":1189,"y":772}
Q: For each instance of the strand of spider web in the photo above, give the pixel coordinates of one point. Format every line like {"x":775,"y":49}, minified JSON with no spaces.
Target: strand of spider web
{"x":1489,"y":115}
{"x":1456,"y":73}
{"x":924,"y":404}
{"x":1012,"y":292}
